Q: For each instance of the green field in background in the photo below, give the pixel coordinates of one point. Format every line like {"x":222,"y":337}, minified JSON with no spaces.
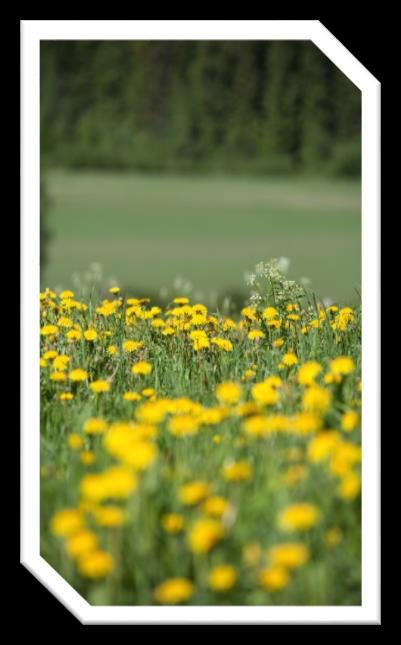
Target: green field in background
{"x":147,"y":229}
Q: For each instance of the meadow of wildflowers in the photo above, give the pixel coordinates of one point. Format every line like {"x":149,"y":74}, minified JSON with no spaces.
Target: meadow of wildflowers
{"x":192,"y":458}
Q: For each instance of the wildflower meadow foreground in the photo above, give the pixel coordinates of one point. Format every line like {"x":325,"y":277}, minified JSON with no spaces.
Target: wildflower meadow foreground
{"x":188,"y":457}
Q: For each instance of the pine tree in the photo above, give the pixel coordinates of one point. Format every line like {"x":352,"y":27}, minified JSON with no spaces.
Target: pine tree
{"x":200,"y":105}
{"x":314,"y":109}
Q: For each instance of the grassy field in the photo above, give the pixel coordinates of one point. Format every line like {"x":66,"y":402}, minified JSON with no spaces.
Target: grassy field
{"x":188,"y":457}
{"x":146,"y":230}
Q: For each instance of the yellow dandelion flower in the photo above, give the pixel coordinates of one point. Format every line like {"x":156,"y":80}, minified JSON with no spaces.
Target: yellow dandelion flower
{"x":215,"y":506}
{"x":139,"y":455}
{"x":223,"y":344}
{"x":213,"y":416}
{"x":316,"y":399}
{"x":130,"y":446}
{"x":148,"y":392}
{"x":289,"y":555}
{"x":173,"y":591}
{"x":248,"y":375}
{"x":246,"y":409}
{"x":172,"y":522}
{"x":73,"y":335}
{"x":229,"y":392}
{"x":331,"y":377}
{"x":249,"y":313}
{"x":142,"y":367}
{"x":66,"y":294}
{"x":199,"y":310}
{"x":87,"y":457}
{"x":194,"y":492}
{"x":109,"y":516}
{"x":305,"y":423}
{"x":66,"y":522}
{"x":157,"y":323}
{"x":131,"y":396}
{"x":198,"y":320}
{"x":342,"y":365}
{"x":255,"y":334}
{"x":63,"y":321}
{"x":95,"y":425}
{"x":80,"y":543}
{"x":132,"y":345}
{"x":257,"y":426}
{"x":237,"y":471}
{"x":49,"y":330}
{"x":50,"y":354}
{"x":349,"y":420}
{"x":289,"y":359}
{"x":168,"y":331}
{"x":65,"y":396}
{"x":204,"y":535}
{"x":183,"y":425}
{"x":308,"y":372}
{"x":90,"y":335}
{"x":350,"y":486}
{"x":273,"y":381}
{"x":78,"y":375}
{"x":61,"y":362}
{"x":117,"y":482}
{"x":95,"y":564}
{"x":75,"y":441}
{"x":274,"y":578}
{"x":222,"y":577}
{"x":152,"y":411}
{"x":298,"y":517}
{"x":270,"y":313}
{"x":58,"y":376}
{"x":199,"y":339}
{"x":264,"y":393}
{"x":345,"y":455}
{"x":229,"y":324}
{"x":99,"y":386}
{"x":344,"y":318}
{"x":322,"y":446}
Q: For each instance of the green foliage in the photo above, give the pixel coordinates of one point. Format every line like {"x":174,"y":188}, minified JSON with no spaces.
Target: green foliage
{"x":44,"y":226}
{"x":197,"y":106}
{"x":346,"y":159}
{"x":285,"y":467}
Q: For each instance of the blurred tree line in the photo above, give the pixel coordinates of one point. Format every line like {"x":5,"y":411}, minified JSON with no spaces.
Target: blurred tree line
{"x":230,"y":106}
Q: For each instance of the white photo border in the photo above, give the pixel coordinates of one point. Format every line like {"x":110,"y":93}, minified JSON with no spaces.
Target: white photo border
{"x":32,"y":32}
